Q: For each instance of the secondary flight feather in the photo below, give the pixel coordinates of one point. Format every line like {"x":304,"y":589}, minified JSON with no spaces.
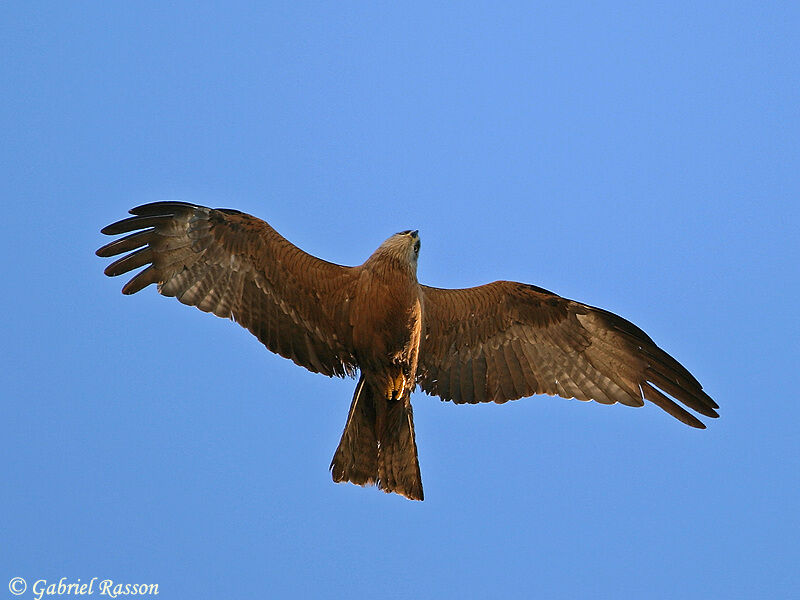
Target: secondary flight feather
{"x":492,"y":343}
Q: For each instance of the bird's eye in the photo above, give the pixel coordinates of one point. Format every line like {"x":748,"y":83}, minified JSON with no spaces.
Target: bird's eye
{"x":416,"y":247}
{"x":406,"y":232}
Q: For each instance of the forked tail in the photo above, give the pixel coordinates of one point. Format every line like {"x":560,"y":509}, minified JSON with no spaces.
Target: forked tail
{"x":377,"y":445}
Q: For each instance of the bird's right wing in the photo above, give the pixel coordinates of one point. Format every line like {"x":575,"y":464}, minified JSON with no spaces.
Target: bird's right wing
{"x":236,"y":266}
{"x":507,"y":340}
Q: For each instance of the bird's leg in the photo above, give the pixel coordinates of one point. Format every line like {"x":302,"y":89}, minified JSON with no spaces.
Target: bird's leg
{"x":396,"y":385}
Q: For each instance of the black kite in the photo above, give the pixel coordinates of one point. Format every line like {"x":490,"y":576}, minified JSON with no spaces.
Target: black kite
{"x":492,"y":343}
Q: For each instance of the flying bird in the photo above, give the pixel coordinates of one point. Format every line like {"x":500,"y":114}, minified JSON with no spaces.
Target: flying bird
{"x":492,"y":343}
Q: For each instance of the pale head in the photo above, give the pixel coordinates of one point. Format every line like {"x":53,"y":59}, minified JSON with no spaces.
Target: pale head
{"x":402,"y":247}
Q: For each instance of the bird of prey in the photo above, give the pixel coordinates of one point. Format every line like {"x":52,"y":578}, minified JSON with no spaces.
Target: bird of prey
{"x":492,"y":343}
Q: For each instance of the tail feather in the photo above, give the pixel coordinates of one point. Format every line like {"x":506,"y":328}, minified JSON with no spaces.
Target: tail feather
{"x":356,"y":458}
{"x":398,"y":466}
{"x":377,"y":445}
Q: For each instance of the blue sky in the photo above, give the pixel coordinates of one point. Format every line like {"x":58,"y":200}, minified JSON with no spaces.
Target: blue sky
{"x":639,"y":158}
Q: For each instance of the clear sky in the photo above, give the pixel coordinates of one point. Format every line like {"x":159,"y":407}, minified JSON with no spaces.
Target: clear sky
{"x":643,"y":159}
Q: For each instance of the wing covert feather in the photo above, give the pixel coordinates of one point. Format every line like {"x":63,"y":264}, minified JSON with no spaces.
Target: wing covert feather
{"x":530,"y":341}
{"x":236,"y":266}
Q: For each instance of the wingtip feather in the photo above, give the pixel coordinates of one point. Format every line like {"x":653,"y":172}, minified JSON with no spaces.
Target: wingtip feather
{"x":164,"y":207}
{"x":141,"y":281}
{"x":664,"y":403}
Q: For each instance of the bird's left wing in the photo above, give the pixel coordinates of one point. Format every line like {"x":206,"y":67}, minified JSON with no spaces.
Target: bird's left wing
{"x":507,"y":340}
{"x":236,"y":266}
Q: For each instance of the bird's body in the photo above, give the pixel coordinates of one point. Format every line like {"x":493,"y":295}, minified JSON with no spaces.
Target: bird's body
{"x":493,"y":343}
{"x":386,"y":316}
{"x":387,"y":322}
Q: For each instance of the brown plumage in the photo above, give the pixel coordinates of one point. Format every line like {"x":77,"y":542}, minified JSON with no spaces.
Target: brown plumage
{"x":492,"y":343}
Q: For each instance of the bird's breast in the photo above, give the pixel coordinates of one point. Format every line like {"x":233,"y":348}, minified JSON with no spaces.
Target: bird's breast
{"x":386,"y":321}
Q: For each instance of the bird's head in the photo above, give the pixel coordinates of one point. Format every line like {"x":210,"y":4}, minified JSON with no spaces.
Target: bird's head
{"x":402,"y":247}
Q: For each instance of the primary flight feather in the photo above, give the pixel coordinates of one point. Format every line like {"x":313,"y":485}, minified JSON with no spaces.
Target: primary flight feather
{"x":492,"y":343}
